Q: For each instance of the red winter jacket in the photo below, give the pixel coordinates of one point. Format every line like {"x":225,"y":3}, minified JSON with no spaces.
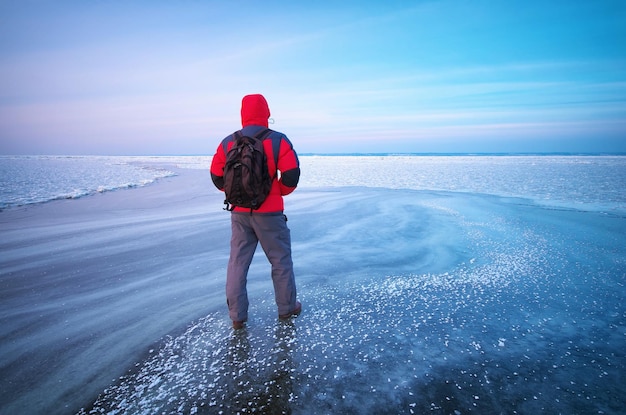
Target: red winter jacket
{"x":254,"y":115}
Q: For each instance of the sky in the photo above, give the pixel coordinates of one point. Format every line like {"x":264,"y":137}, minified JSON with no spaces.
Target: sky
{"x":137,"y":77}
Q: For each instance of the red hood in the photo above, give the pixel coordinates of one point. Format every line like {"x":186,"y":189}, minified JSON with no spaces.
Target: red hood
{"x":254,"y":110}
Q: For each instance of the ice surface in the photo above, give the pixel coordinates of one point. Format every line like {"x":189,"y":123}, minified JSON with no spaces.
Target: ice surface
{"x":414,"y":301}
{"x":37,"y":179}
{"x":576,"y":181}
{"x":585,"y":182}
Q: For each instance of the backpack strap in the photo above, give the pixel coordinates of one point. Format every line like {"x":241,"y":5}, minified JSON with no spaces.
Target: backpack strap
{"x":262,"y":135}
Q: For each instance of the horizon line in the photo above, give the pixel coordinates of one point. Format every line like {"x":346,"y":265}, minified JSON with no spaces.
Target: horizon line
{"x":379,"y":154}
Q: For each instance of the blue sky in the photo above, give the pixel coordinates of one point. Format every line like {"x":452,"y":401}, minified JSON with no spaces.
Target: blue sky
{"x":157,"y":77}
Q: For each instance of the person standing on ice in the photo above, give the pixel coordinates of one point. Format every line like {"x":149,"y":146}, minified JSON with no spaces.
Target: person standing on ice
{"x":267,"y":224}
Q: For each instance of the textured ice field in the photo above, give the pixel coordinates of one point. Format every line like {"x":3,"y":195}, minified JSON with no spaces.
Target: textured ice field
{"x":415,"y":301}
{"x":581,"y":181}
{"x":28,"y":180}
{"x":586,"y":182}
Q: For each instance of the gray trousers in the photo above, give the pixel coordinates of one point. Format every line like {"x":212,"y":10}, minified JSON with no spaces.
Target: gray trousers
{"x":275,"y":238}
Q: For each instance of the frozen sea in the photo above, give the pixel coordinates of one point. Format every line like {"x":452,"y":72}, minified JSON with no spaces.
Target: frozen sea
{"x":430,"y":284}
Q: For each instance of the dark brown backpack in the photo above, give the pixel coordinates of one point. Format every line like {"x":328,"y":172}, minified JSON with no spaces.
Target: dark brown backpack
{"x":247,"y":181}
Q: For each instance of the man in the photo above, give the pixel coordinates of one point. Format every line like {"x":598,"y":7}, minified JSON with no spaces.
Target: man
{"x":267,"y":224}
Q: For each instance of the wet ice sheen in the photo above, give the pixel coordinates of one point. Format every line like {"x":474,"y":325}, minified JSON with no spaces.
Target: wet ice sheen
{"x":514,"y":327}
{"x":415,"y":301}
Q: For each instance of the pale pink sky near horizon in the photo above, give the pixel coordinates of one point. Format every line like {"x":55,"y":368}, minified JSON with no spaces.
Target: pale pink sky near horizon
{"x":146,"y":78}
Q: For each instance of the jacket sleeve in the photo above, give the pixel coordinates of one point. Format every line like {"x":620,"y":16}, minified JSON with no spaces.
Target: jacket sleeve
{"x":289,"y":167}
{"x":217,"y":167}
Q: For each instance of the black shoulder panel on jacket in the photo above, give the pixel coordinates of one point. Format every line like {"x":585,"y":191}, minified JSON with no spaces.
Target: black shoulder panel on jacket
{"x":218,"y":181}
{"x":291,"y":177}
